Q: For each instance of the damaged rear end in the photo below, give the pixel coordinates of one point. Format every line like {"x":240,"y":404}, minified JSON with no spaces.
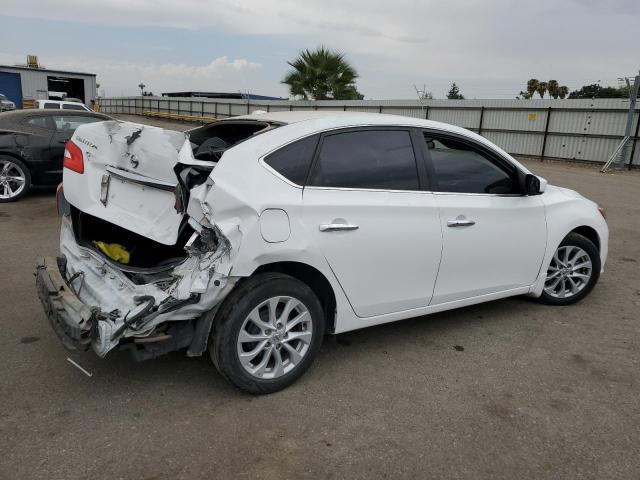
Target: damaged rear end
{"x":142,"y":266}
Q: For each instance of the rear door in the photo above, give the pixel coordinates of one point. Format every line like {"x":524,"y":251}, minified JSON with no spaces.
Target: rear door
{"x":494,"y":237}
{"x":367,"y":206}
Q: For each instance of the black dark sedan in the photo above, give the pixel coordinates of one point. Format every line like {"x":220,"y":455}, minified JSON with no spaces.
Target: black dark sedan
{"x":32,"y":147}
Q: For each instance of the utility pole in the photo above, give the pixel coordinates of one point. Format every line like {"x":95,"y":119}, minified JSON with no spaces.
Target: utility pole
{"x":621,"y":152}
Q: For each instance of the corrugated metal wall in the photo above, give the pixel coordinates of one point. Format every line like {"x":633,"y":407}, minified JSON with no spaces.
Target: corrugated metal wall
{"x":584,"y":129}
{"x":34,"y":83}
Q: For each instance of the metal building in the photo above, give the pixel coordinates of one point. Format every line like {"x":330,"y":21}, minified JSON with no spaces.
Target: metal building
{"x":23,"y":85}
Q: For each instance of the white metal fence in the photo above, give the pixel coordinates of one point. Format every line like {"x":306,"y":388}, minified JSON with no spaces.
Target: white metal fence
{"x":587,"y":130}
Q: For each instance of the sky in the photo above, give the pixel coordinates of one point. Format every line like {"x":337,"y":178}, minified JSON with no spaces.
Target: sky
{"x":490,"y":48}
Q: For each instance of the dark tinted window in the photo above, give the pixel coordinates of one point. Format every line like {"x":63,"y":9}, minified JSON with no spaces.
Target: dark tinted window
{"x":73,"y":107}
{"x":380,"y":159}
{"x":54,"y":106}
{"x":293,"y":161}
{"x":459,"y":167}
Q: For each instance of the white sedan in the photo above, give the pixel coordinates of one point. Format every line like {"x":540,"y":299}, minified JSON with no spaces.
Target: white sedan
{"x":257,"y":235}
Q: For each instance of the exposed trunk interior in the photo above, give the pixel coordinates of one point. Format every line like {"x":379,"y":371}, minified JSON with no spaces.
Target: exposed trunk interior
{"x":210,"y":141}
{"x":145,"y":254}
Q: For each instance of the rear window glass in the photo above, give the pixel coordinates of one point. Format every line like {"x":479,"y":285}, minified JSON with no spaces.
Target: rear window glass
{"x":73,"y":107}
{"x":68,"y":123}
{"x":372,"y":159}
{"x":40,"y":122}
{"x":293,"y":161}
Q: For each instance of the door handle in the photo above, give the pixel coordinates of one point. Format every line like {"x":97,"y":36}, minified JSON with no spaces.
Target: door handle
{"x":334,"y":227}
{"x":460,"y":222}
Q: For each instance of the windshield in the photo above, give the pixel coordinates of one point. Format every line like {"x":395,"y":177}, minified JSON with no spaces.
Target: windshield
{"x":2,"y":97}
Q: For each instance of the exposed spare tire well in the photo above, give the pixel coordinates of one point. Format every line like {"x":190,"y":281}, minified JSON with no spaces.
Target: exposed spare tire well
{"x":588,"y":233}
{"x":315,"y":280}
{"x":145,"y":252}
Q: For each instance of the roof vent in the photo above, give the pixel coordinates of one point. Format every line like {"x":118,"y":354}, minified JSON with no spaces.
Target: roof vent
{"x":32,"y":61}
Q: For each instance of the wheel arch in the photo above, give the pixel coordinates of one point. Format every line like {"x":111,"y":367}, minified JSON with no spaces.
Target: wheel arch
{"x":312,"y":277}
{"x":588,"y":232}
{"x":17,"y":157}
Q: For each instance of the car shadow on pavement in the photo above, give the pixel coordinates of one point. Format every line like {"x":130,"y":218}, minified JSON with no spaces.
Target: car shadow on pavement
{"x":426,"y":335}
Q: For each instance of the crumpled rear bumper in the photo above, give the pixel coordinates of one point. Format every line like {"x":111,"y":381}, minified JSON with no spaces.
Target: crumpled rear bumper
{"x":69,"y":317}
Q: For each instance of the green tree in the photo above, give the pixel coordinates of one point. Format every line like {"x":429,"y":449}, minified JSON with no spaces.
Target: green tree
{"x":598,"y":91}
{"x":454,"y":92}
{"x":532,"y":87}
{"x":553,"y":87}
{"x":322,"y":74}
{"x":563,"y":91}
{"x":542,"y":89}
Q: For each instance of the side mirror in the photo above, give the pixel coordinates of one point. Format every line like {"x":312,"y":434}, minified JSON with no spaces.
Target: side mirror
{"x":533,"y":185}
{"x":543,"y":184}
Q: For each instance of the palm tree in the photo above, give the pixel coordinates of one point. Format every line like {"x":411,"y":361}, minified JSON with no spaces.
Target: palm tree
{"x":322,"y":74}
{"x":532,"y":86}
{"x":542,"y":89}
{"x":563,"y":91}
{"x":554,"y":88}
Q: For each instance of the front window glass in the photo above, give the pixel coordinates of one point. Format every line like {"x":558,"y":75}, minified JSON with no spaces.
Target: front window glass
{"x":459,"y":167}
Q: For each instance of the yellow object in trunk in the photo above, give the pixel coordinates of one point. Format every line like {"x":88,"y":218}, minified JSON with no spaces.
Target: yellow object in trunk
{"x":114,"y":251}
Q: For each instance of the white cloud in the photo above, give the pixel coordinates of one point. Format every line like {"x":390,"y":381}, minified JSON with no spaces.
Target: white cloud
{"x":489,"y":45}
{"x":122,"y":78}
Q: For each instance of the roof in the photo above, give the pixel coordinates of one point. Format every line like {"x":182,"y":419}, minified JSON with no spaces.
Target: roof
{"x":299,"y":124}
{"x":45,"y":70}
{"x":13,"y":119}
{"x":339,"y":118}
{"x":221,"y":95}
{"x":40,"y":112}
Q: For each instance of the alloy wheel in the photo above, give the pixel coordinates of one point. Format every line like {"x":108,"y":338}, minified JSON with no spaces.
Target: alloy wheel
{"x":275,"y":337}
{"x":569,"y":272}
{"x":12,"y":179}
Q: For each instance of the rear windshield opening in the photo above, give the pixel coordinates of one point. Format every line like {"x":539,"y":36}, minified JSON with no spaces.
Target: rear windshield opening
{"x":211,"y":141}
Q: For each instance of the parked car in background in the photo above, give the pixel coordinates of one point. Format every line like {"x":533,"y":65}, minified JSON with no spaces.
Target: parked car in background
{"x":61,"y":105}
{"x":32,"y":146}
{"x":259,"y":234}
{"x":6,"y":104}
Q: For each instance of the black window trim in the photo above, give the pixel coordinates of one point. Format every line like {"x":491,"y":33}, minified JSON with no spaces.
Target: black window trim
{"x":502,"y":162}
{"x":421,"y":171}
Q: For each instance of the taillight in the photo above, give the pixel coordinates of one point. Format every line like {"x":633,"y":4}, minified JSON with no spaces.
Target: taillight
{"x":73,"y":159}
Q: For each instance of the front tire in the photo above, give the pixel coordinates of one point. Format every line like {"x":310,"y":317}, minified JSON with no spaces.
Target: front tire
{"x":573,"y":271}
{"x":268,"y":332}
{"x":15,"y":179}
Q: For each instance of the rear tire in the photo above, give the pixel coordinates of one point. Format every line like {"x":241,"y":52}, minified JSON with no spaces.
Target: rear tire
{"x":267,"y":333}
{"x":15,"y":179}
{"x":573,"y":272}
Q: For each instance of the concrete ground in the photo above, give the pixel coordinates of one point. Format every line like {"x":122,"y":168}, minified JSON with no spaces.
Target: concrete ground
{"x":509,"y":389}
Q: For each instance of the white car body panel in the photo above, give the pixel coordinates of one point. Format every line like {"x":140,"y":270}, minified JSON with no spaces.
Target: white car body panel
{"x":489,"y":257}
{"x":402,"y":261}
{"x":150,"y":154}
{"x":397,"y":232}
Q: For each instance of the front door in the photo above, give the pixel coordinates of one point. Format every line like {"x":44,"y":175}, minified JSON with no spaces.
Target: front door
{"x":494,"y":237}
{"x":366,"y":208}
